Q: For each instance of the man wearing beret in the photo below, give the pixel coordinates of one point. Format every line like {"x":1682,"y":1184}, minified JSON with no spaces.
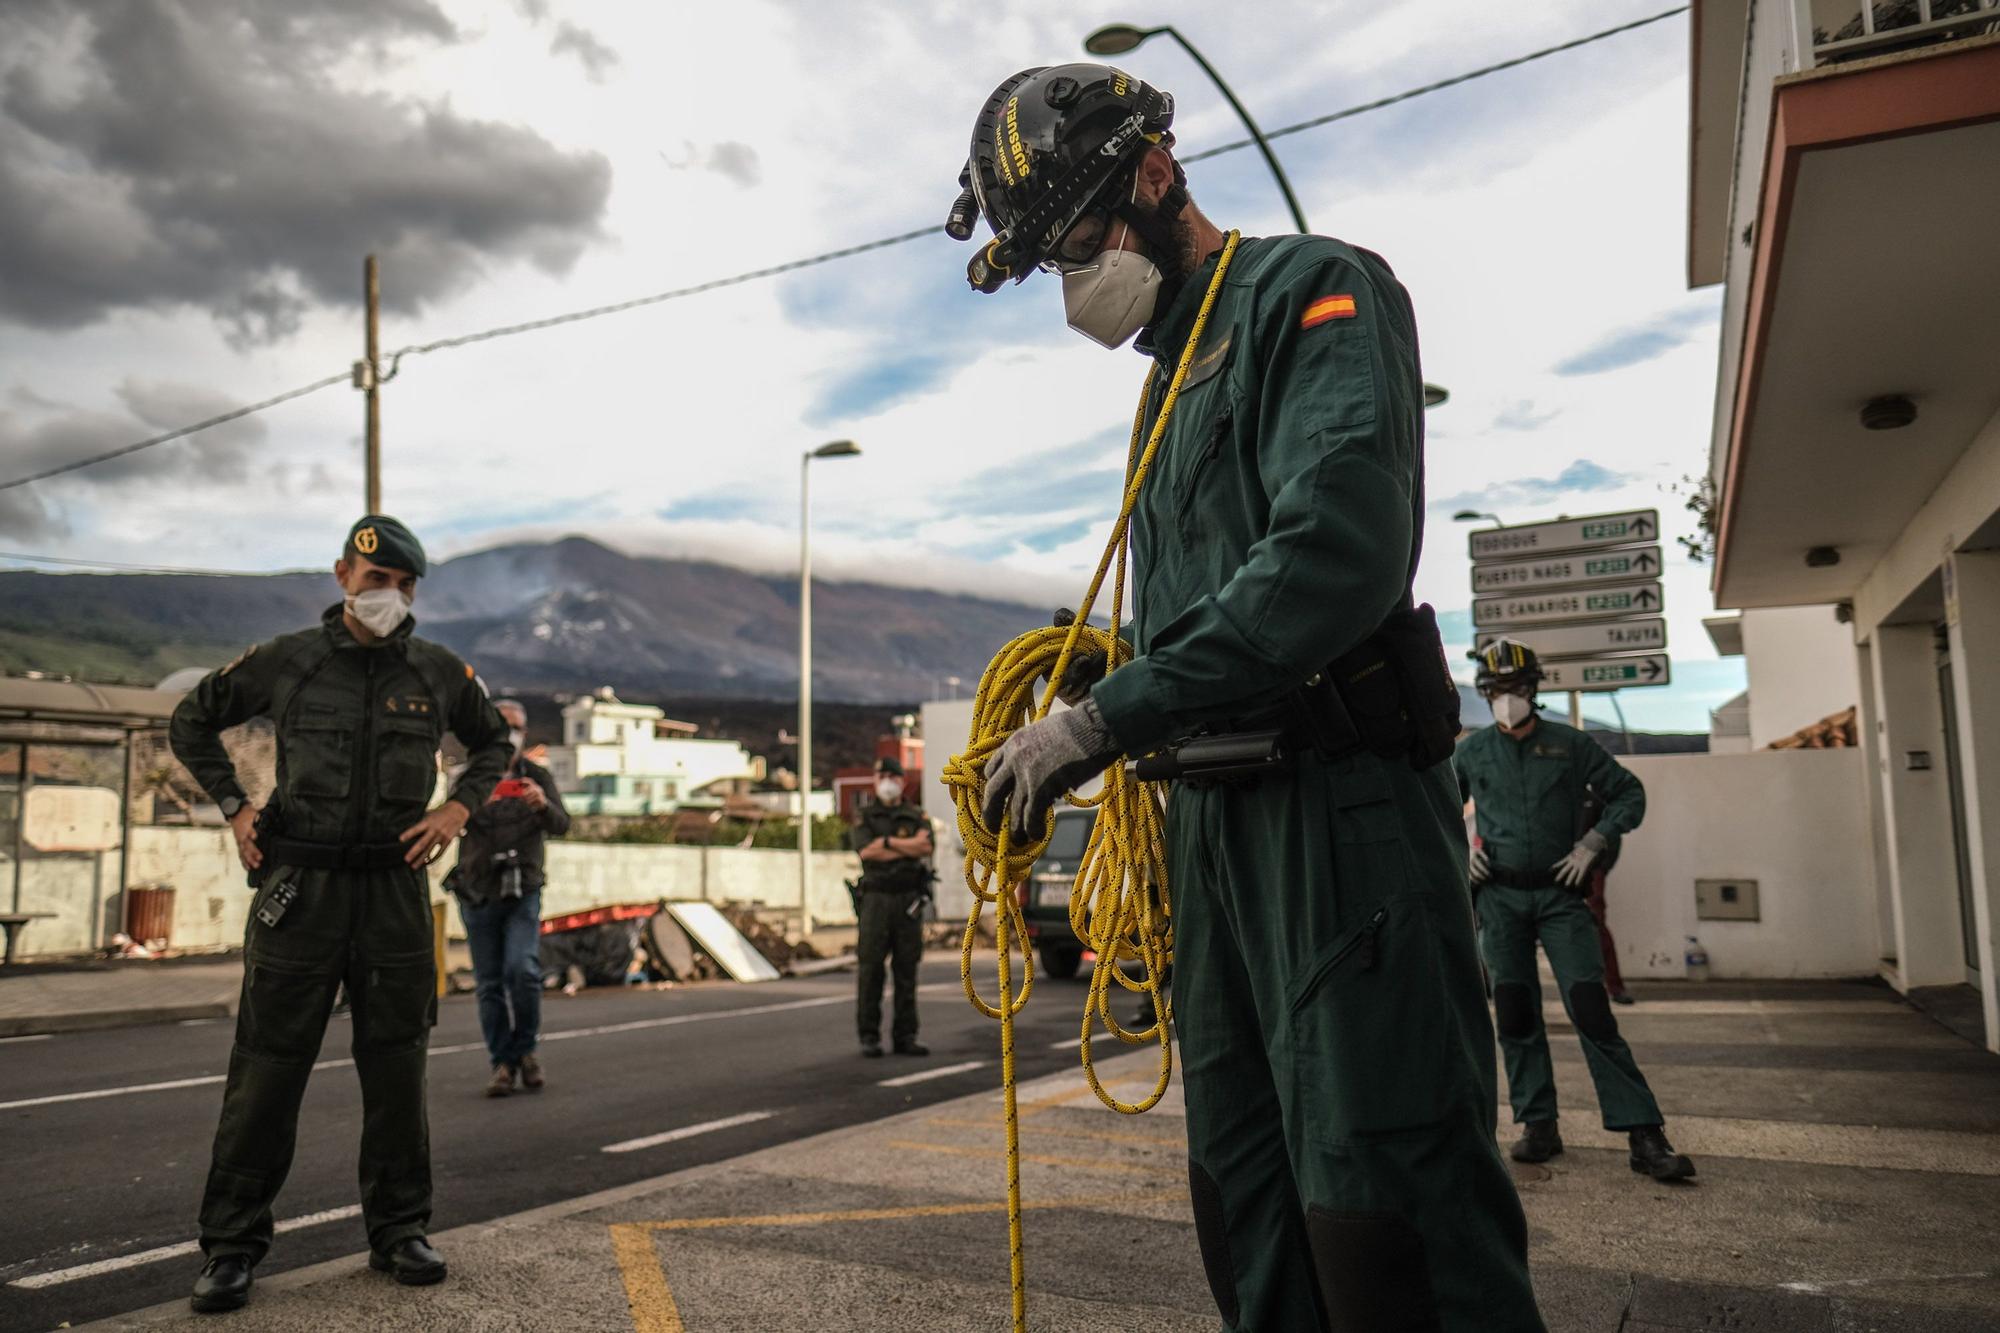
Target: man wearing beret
{"x":337,"y":857}
{"x":893,"y":838}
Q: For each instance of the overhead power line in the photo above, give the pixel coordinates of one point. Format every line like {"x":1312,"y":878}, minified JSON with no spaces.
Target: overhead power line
{"x":125,"y":568}
{"x":813,"y":261}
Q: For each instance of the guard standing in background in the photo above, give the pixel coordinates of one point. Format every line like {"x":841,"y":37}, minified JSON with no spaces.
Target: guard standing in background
{"x":1530,"y":777}
{"x":893,"y":838}
{"x":337,"y":857}
{"x":1337,"y":1048}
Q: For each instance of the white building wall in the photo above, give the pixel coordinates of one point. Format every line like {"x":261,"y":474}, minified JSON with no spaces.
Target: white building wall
{"x":946,"y":725}
{"x":1801,"y":669}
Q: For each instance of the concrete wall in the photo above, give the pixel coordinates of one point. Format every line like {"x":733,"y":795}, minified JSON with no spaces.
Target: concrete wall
{"x":1801,"y":667}
{"x":212,"y":902}
{"x":1796,"y":821}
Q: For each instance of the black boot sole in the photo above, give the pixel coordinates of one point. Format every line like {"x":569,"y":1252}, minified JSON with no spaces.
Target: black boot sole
{"x":1535,"y":1159}
{"x":219,"y":1304}
{"x":1680,"y":1169}
{"x":409,"y":1277}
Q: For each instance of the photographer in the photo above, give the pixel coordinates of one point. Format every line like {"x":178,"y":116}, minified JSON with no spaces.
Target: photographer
{"x":498,"y":882}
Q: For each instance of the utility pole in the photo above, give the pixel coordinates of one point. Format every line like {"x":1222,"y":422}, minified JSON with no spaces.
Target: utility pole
{"x":368,"y":379}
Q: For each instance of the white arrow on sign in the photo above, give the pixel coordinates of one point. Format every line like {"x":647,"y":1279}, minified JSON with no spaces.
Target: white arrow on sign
{"x":1566,"y":534}
{"x":1612,"y":602}
{"x":1553,"y":571}
{"x":1608,"y":673}
{"x":1554,"y":641}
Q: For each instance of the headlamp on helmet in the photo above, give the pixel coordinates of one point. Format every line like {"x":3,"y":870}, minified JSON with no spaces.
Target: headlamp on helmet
{"x":1506,"y":665}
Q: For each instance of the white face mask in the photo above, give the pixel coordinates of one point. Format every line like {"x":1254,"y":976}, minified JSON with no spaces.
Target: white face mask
{"x":379,"y":609}
{"x":1112,"y":297}
{"x":1511,"y":710}
{"x":889,"y":790}
{"x":517,"y":739}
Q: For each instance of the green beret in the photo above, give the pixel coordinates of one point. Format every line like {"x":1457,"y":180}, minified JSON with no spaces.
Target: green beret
{"x":886,"y":765}
{"x":388,"y":543}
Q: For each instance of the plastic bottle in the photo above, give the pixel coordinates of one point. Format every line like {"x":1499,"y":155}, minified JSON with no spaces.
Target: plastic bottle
{"x":1697,"y":960}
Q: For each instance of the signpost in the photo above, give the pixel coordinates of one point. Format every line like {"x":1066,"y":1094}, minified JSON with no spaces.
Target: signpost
{"x":1584,"y":593}
{"x":1607,"y":673}
{"x":1566,"y":534}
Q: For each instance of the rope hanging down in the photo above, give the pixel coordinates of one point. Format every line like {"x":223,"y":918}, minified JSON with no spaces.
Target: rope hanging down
{"x":1119,"y":904}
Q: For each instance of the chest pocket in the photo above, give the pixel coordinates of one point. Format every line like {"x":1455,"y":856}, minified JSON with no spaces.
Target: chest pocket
{"x":406,"y":743}
{"x":319,"y":748}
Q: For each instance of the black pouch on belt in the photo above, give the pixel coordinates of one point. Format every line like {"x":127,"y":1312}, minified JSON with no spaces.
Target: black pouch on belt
{"x":1399,"y":691}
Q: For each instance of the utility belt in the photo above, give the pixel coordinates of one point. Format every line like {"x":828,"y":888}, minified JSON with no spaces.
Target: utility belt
{"x":916,"y":878}
{"x":1392,"y":696}
{"x":1520,"y":879}
{"x":334,"y":855}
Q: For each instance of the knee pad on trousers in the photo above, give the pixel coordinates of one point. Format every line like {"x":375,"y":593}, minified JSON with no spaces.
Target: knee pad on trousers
{"x":1372,"y":1274}
{"x":1591,"y":1008}
{"x":1211,"y":1230}
{"x":1513,"y":1010}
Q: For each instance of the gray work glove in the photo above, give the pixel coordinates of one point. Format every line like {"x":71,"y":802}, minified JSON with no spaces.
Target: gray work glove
{"x":1574,"y":869}
{"x":1043,"y":760}
{"x":1482,"y":866}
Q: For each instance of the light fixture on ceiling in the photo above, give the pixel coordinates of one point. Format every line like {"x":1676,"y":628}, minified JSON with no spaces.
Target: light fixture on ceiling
{"x":1890,"y":411}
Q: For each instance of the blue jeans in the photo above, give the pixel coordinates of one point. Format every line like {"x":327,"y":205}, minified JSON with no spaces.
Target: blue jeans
{"x":506,"y":939}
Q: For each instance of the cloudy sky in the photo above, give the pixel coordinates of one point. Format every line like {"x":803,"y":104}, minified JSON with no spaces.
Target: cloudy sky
{"x":187,"y":191}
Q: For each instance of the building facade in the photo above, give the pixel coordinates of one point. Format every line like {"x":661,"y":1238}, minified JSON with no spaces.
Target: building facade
{"x":1844,"y":170}
{"x":631,"y":759}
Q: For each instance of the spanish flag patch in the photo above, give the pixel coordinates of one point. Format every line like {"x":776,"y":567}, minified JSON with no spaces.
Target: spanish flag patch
{"x":1327,"y":307}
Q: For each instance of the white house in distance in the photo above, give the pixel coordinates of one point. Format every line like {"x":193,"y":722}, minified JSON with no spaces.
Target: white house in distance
{"x":1844,"y":170}
{"x":633,"y":755}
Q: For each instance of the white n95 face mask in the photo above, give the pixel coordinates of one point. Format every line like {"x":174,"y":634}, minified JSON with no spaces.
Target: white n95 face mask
{"x":1112,"y":298}
{"x":1511,"y":710}
{"x":889,"y":791}
{"x":379,"y":609}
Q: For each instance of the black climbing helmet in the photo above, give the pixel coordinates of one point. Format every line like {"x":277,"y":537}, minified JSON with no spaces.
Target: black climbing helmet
{"x":1054,"y":148}
{"x":1506,"y":662}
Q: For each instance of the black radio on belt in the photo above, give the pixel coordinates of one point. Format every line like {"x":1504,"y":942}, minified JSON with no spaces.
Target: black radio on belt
{"x":272,"y":909}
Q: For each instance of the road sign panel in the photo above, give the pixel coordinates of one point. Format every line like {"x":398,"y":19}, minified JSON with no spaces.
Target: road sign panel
{"x":1608,"y":673}
{"x":1611,"y":602}
{"x":1554,"y":571}
{"x":1566,"y":534}
{"x":1554,"y":641}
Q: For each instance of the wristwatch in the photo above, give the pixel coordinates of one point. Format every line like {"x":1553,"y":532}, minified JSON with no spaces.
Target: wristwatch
{"x":230,"y":805}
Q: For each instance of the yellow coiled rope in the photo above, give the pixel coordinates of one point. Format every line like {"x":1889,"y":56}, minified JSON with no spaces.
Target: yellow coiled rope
{"x":1119,"y":904}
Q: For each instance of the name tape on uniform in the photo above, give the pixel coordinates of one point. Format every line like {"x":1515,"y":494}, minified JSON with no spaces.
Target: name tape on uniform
{"x":1566,"y":534}
{"x":1612,"y":602}
{"x":1554,"y":641}
{"x":1608,"y":673}
{"x":1578,"y":567}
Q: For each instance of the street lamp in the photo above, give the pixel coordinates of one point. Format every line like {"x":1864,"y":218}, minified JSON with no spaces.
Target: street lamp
{"x":836,"y":449}
{"x":1473,"y":516}
{"x":1117,"y":39}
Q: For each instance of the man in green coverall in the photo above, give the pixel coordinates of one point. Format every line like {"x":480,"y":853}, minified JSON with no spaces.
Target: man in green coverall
{"x":1338,"y":1054}
{"x":1533,"y":781}
{"x":338,"y":856}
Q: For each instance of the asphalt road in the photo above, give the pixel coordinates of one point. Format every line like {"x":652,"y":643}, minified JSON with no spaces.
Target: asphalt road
{"x":91,"y":1180}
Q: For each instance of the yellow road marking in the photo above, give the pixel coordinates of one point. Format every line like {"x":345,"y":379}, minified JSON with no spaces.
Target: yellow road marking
{"x":645,"y":1276}
{"x":646,"y":1290}
{"x":1107,"y":1135}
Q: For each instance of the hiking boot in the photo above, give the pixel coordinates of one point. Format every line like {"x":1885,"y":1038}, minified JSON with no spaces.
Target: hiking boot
{"x":911,"y":1046}
{"x":411,"y":1261}
{"x":1539,"y":1141}
{"x":531,"y":1073}
{"x":871,"y":1046}
{"x":1652,"y":1155}
{"x":502,"y":1082}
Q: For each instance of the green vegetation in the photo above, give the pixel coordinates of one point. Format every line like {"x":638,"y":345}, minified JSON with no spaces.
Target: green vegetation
{"x":829,"y":833}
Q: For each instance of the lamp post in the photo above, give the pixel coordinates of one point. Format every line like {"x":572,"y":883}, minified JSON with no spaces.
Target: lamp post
{"x":836,"y":449}
{"x":1118,"y":38}
{"x":1473,"y":516}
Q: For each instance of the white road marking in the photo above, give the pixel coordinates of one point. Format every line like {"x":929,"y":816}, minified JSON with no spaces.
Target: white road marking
{"x":636,"y":1025}
{"x":62,"y":1275}
{"x":688,"y":1132}
{"x":33,"y":1036}
{"x":924,"y":1074}
{"x":196,"y":1022}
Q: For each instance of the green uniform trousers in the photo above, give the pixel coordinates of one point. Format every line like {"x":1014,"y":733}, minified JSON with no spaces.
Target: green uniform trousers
{"x":371,"y":929}
{"x":1510,"y":921}
{"x":888,"y":932}
{"x":1339,"y":1058}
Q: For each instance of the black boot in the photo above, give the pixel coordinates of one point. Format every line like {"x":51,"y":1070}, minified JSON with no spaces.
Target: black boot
{"x":1539,"y":1141}
{"x":871,"y":1046}
{"x":911,"y":1046}
{"x":1654,"y":1156}
{"x":224,"y":1284}
{"x":412,"y":1260}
